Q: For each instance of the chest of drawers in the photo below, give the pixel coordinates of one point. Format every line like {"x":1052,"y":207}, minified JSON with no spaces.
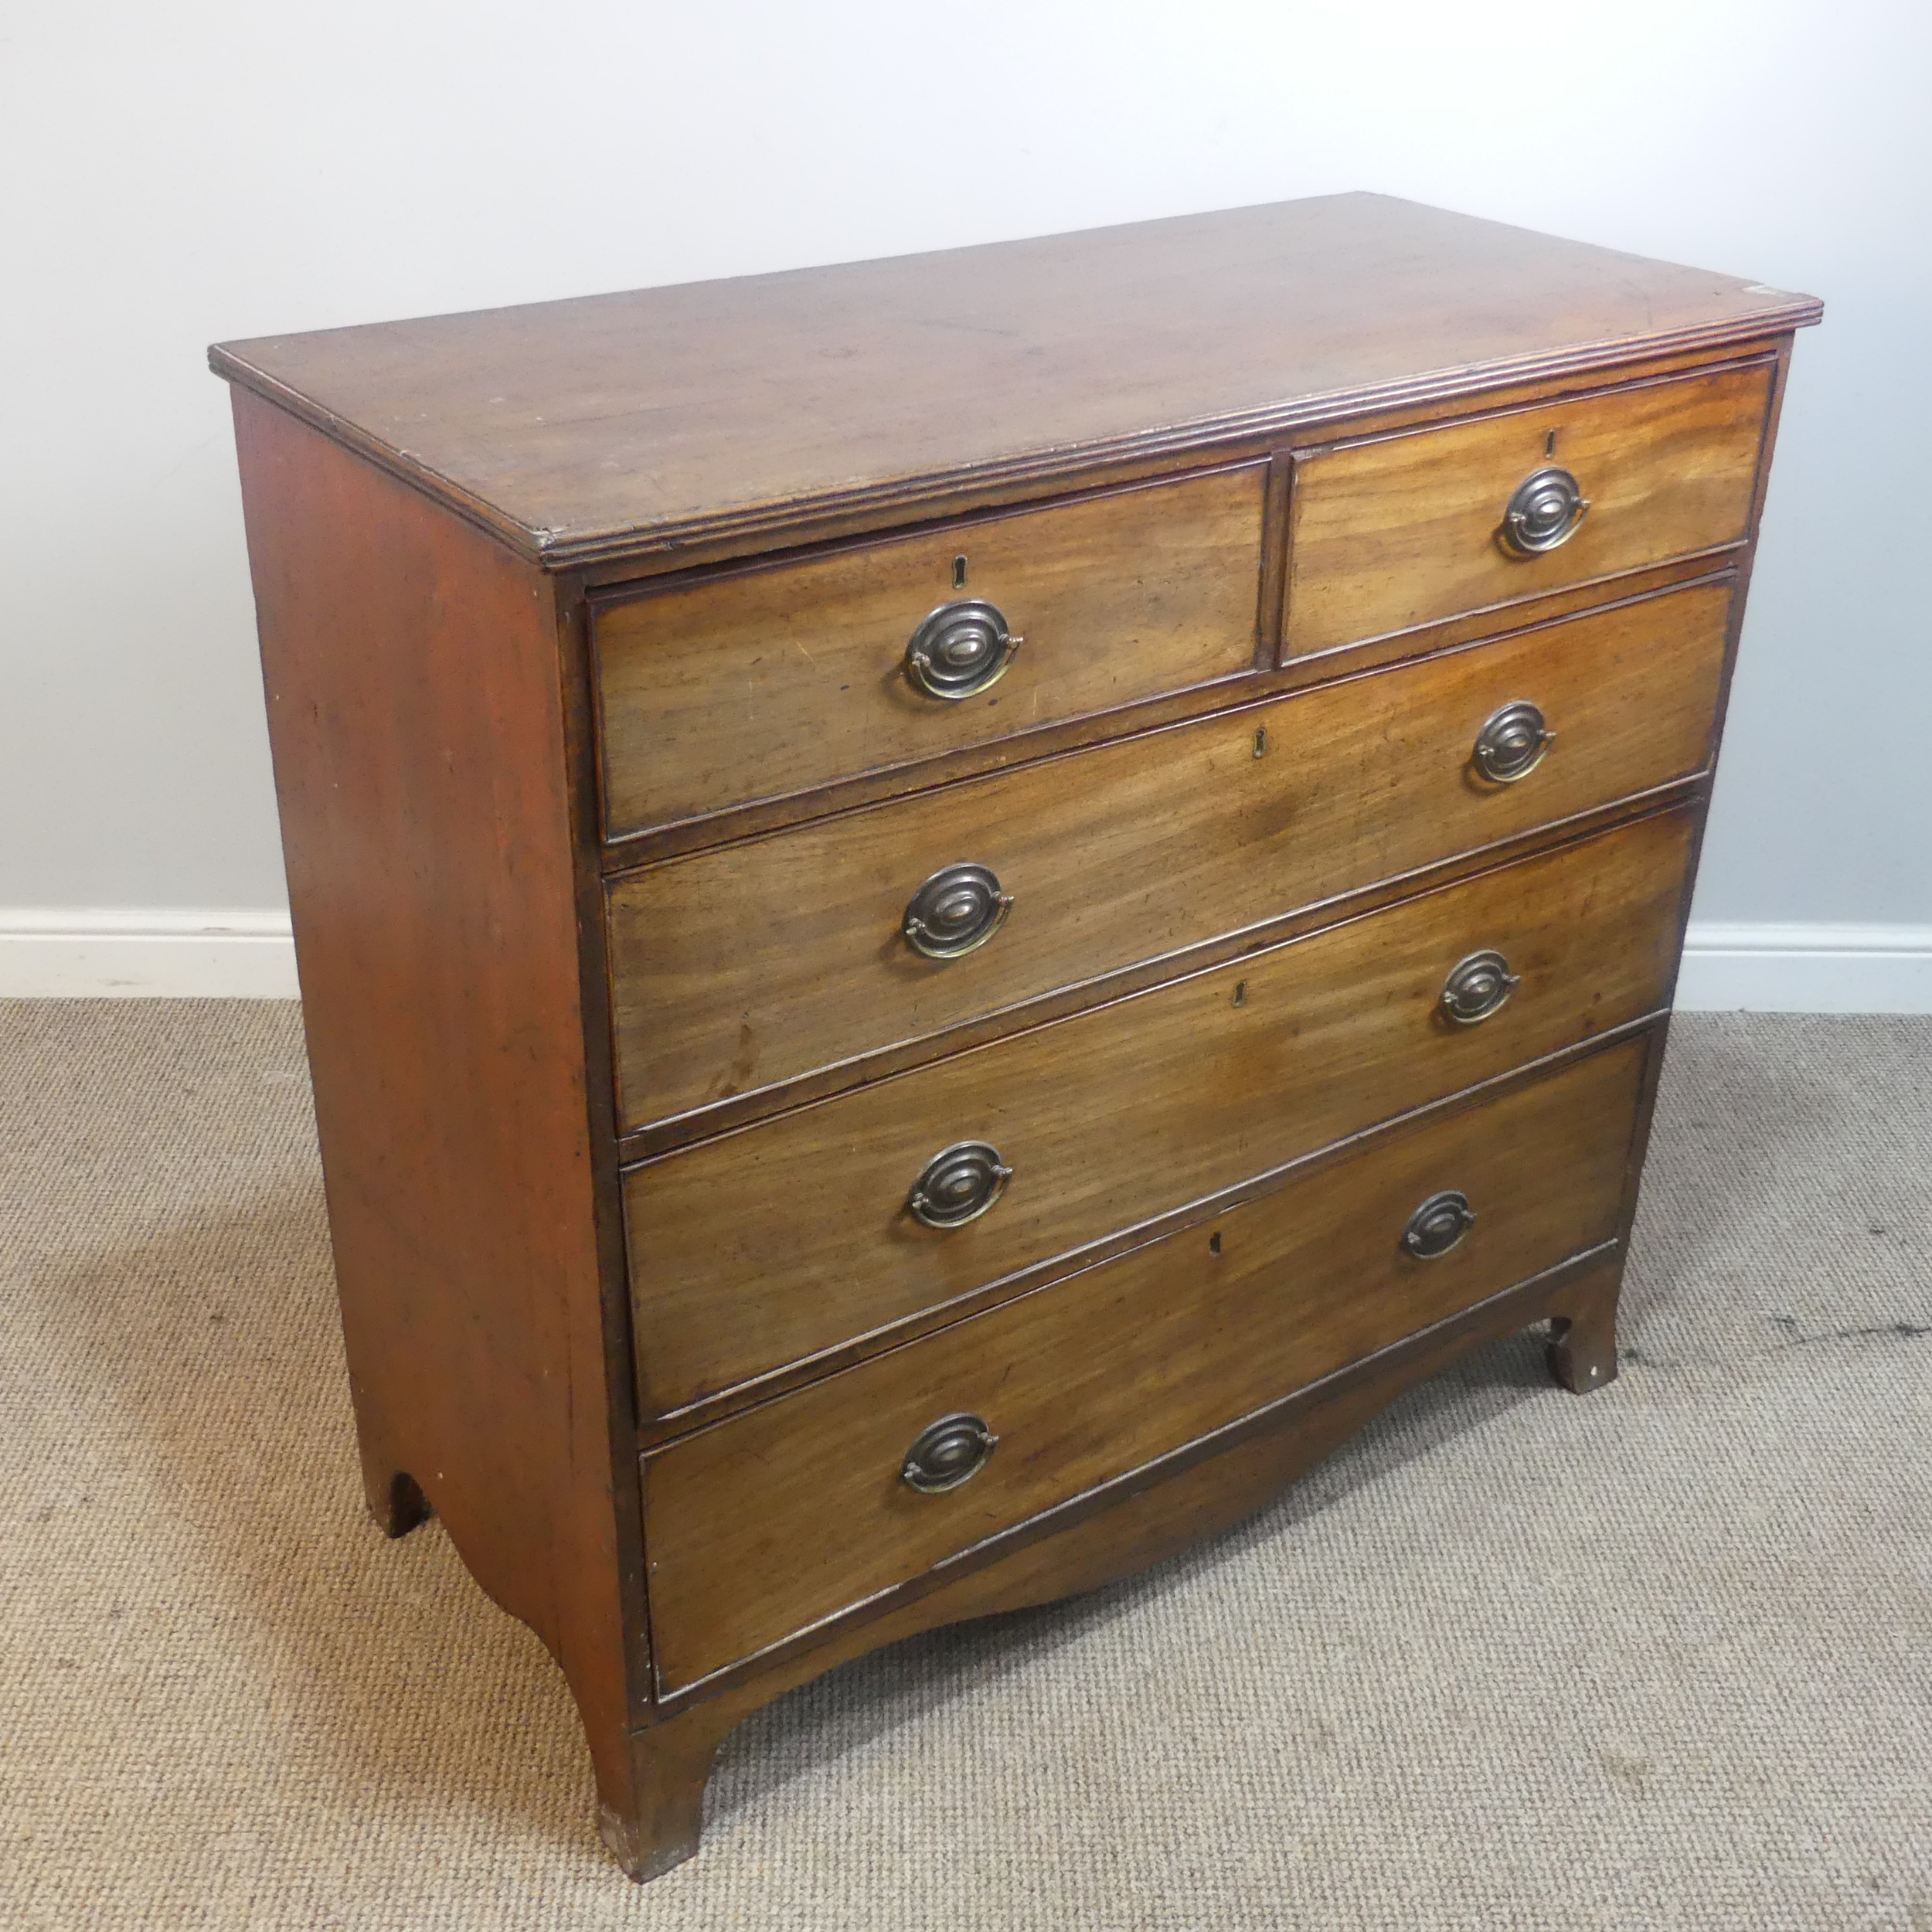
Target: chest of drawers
{"x":952,"y":912}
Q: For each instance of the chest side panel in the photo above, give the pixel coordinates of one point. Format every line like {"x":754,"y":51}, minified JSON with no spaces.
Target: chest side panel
{"x":416,"y":718}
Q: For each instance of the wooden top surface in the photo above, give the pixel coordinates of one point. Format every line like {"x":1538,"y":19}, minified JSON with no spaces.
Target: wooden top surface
{"x":581,"y":429}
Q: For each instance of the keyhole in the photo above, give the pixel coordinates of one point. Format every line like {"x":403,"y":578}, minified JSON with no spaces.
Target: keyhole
{"x":1261,"y":742}
{"x":1214,"y":1241}
{"x":1240,"y":992}
{"x":959,"y":573}
{"x":1549,"y":444}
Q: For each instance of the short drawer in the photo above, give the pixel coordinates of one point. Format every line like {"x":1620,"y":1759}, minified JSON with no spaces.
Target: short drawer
{"x":1401,"y":531}
{"x":764,"y":1525}
{"x":764,"y":682}
{"x":740,"y":968}
{"x":768,"y":1245}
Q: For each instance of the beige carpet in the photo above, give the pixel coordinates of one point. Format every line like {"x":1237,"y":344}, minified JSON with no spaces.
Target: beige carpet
{"x":1658,"y":1657}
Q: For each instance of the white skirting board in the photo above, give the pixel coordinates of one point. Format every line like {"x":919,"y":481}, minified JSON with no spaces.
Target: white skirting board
{"x":1806,"y":968}
{"x":211,"y":953}
{"x":248,"y":954}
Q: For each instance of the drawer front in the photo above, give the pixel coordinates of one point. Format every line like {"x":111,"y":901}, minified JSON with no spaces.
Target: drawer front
{"x":1135,"y":851}
{"x":774,"y":681}
{"x":1407,"y":530}
{"x":769,"y":1245}
{"x":766,"y":1523}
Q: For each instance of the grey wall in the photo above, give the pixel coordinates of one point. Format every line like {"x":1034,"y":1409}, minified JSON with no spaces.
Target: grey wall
{"x":184,"y":173}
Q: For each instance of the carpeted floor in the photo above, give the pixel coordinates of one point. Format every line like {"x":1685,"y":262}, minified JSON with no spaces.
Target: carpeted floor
{"x":1660,"y":1657}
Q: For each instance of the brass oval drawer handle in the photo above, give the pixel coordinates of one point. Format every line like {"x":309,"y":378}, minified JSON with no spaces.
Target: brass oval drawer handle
{"x":1543,"y":513}
{"x":958,"y":1184}
{"x":955,"y":912}
{"x":1477,"y":987}
{"x":1438,"y":1225}
{"x":960,"y":650}
{"x":947,"y":1452}
{"x":1511,"y":743}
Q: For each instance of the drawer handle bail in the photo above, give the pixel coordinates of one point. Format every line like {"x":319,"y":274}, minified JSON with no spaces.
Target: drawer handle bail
{"x":1438,"y":1225}
{"x":1478,"y":987}
{"x":1511,"y":743}
{"x":955,"y":912}
{"x":1543,"y":514}
{"x":958,"y":1184}
{"x":960,"y":650}
{"x":947,"y":1452}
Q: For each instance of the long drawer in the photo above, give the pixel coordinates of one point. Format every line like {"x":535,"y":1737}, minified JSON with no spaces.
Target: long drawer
{"x":768,"y":1245}
{"x":762,"y":1524}
{"x":742,"y":968}
{"x":1396,"y":532}
{"x":761,"y":683}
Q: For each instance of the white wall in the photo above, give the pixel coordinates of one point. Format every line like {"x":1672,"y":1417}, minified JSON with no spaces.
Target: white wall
{"x":215,"y":168}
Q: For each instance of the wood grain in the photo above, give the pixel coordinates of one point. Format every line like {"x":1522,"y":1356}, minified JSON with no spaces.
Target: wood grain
{"x":1084,"y":734}
{"x":583,"y":429}
{"x":1181,"y":1500}
{"x":758,"y":684}
{"x":433,"y":897}
{"x":764,"y":1246}
{"x":707,"y":510}
{"x":741,"y":969}
{"x":1400,"y":530}
{"x":768,"y":1522}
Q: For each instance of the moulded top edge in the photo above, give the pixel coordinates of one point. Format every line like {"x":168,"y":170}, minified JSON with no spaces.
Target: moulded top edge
{"x":580,"y":431}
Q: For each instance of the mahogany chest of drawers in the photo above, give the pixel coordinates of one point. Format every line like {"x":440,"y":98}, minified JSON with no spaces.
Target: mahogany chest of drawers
{"x":952,"y":912}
